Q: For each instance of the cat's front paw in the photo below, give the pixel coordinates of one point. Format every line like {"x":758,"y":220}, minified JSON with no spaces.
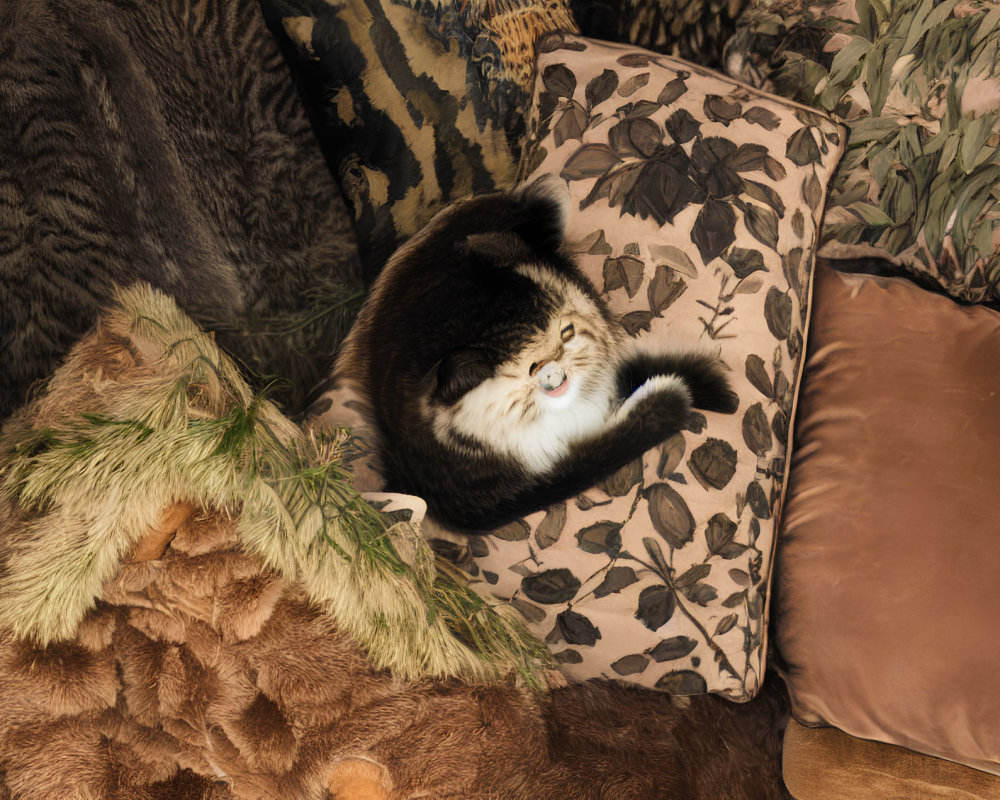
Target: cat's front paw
{"x":667,"y":391}
{"x":724,"y":400}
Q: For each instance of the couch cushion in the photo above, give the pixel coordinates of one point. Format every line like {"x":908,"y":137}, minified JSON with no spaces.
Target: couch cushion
{"x":823,"y":763}
{"x":887,"y":589}
{"x":695,"y":208}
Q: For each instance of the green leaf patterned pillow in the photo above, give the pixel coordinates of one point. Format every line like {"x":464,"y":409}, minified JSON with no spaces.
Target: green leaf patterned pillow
{"x":918,"y":84}
{"x":415,"y":104}
{"x":697,"y":205}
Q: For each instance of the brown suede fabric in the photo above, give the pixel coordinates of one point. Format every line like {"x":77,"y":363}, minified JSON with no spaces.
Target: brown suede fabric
{"x":825,"y":763}
{"x":888,"y":584}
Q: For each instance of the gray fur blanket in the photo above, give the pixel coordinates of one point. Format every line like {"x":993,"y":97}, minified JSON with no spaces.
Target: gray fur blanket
{"x":163,"y":141}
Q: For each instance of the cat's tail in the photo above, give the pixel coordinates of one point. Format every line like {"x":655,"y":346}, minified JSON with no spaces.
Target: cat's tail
{"x":703,"y":375}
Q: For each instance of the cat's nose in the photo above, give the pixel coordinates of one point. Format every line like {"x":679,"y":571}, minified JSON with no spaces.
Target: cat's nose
{"x":551,"y":376}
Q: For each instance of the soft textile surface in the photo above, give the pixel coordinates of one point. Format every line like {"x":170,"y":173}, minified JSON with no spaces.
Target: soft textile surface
{"x":146,"y":414}
{"x":206,"y":651}
{"x":917,"y":83}
{"x":823,"y":763}
{"x":695,"y":209}
{"x":163,"y":142}
{"x":415,"y":104}
{"x":887,"y":591}
{"x":695,"y":30}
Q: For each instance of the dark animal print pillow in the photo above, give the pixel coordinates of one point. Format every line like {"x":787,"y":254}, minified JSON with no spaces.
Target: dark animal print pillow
{"x":693,"y":29}
{"x":697,"y":205}
{"x":415,"y":104}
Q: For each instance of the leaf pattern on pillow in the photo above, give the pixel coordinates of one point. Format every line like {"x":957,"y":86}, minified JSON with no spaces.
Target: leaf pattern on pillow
{"x":916,"y":82}
{"x":696,"y":206}
{"x":656,"y":171}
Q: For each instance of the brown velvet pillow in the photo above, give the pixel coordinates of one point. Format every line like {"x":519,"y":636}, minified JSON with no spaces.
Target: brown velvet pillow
{"x":823,"y":763}
{"x":888,"y":580}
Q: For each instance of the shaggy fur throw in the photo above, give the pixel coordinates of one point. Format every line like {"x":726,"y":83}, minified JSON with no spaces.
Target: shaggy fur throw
{"x":148,"y":422}
{"x":164,"y":142}
{"x":181,"y":616}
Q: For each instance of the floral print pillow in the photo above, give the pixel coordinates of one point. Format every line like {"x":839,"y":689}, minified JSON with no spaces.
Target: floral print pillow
{"x":697,"y":202}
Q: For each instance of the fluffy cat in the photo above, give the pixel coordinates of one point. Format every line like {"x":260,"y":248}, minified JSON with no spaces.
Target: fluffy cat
{"x":496,"y":379}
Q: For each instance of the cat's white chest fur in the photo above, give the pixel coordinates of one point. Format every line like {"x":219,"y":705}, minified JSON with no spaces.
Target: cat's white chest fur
{"x":580,"y":412}
{"x":537,"y":436}
{"x":557,"y":390}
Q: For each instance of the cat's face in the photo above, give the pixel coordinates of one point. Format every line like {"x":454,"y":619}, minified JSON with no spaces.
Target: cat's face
{"x":569,"y":360}
{"x":557,"y":387}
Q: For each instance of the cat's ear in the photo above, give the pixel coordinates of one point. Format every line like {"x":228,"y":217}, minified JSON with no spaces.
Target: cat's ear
{"x":529,"y":224}
{"x":545,"y":210}
{"x":460,"y":372}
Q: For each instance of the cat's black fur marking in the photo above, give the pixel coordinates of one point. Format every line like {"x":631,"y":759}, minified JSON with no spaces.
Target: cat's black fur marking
{"x":709,"y":389}
{"x":447,"y":311}
{"x":459,"y":372}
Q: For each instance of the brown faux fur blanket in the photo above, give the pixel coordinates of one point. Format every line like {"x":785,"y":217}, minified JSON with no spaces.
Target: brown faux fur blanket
{"x":186,"y":660}
{"x":163,"y":141}
{"x":201,"y":661}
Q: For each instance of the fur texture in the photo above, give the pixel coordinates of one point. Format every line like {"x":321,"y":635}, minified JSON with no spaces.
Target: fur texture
{"x":497,"y":381}
{"x":160,"y":142}
{"x":206,"y":658}
{"x":148,"y":415}
{"x":287,"y":706}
